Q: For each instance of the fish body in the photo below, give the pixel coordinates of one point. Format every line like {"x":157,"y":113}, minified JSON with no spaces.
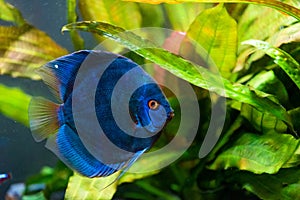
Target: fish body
{"x":110,"y":112}
{"x":4,"y":177}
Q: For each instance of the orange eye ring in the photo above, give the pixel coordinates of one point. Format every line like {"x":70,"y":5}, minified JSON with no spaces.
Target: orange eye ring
{"x":153,"y":104}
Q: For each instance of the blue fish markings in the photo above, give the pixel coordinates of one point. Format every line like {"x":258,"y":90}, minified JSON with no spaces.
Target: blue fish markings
{"x":102,"y":148}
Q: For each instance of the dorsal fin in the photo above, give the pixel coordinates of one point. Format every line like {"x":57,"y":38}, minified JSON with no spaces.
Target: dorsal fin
{"x":60,"y":73}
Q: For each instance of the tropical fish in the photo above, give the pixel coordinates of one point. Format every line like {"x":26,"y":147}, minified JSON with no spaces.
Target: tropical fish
{"x":110,"y":112}
{"x":4,"y":177}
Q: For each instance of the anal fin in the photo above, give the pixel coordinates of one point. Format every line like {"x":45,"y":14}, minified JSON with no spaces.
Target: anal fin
{"x":126,"y":166}
{"x":67,"y":145}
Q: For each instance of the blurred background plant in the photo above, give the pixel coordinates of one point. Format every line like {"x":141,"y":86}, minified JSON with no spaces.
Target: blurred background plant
{"x":255,"y":48}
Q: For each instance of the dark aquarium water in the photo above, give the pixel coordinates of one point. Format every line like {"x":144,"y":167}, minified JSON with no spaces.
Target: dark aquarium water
{"x":20,"y":154}
{"x":234,"y":132}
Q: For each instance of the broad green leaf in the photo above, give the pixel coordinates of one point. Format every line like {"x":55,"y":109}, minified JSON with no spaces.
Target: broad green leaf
{"x":262,"y":122}
{"x":23,"y":49}
{"x":184,"y":69}
{"x":254,"y":20}
{"x":258,"y":153}
{"x":117,"y":12}
{"x":263,"y":185}
{"x":215,"y":31}
{"x":182,"y":15}
{"x":295,"y":116}
{"x":10,"y":13}
{"x":288,"y":176}
{"x":276,"y":4}
{"x":283,"y":59}
{"x":291,"y":192}
{"x":266,"y":81}
{"x":84,"y":188}
{"x":72,"y":17}
{"x":285,"y":35}
{"x":14,"y":104}
{"x":283,"y":185}
{"x":294,"y":160}
{"x":80,"y":187}
{"x":251,"y":23}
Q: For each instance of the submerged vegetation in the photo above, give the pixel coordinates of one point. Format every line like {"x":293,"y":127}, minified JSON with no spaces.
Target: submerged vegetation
{"x":254,"y":46}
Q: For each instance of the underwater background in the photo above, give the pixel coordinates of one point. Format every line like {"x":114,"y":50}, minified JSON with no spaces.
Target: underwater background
{"x":20,"y":154}
{"x":259,"y":143}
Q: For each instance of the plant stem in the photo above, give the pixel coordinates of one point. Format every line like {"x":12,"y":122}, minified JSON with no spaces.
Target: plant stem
{"x":153,"y":190}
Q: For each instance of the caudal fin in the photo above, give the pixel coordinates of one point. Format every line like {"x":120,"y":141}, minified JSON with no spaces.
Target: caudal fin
{"x":43,"y":118}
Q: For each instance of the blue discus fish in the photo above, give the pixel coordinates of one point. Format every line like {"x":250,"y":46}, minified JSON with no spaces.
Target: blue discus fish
{"x":110,"y":112}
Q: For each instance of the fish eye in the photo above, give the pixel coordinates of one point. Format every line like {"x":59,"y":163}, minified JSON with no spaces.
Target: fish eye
{"x":153,"y":104}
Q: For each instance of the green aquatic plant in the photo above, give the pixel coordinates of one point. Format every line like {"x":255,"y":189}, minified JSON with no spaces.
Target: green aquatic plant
{"x":256,"y":52}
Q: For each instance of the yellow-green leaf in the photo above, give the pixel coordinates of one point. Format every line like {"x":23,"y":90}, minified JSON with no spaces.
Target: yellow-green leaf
{"x":280,"y":57}
{"x":117,"y":12}
{"x":10,"y":13}
{"x":258,"y":153}
{"x":14,"y":104}
{"x":261,"y":121}
{"x":286,"y":35}
{"x":84,"y":188}
{"x":124,"y":14}
{"x":290,"y":10}
{"x":182,"y":15}
{"x":266,"y":81}
{"x":216,"y":32}
{"x":294,"y":160}
{"x":152,"y":15}
{"x":22,"y":49}
{"x":254,"y":20}
{"x":250,"y":25}
{"x":72,"y":17}
{"x":80,"y":187}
